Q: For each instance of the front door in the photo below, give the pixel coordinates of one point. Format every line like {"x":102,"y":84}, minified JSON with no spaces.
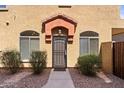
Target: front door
{"x":59,"y":52}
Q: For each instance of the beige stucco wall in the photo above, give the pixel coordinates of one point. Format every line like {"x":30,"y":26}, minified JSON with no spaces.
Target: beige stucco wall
{"x":100,"y":19}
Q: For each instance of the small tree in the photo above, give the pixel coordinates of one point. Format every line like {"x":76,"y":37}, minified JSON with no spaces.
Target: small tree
{"x":38,"y":61}
{"x":11,"y":60}
{"x":88,"y":64}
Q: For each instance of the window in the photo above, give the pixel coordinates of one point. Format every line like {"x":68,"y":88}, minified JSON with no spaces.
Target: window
{"x":64,"y":6}
{"x":89,"y":43}
{"x":122,"y":11}
{"x":29,"y":41}
{"x":3,"y":7}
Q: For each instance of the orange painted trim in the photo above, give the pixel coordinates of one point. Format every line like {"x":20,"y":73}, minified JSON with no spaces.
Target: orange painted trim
{"x":59,"y":21}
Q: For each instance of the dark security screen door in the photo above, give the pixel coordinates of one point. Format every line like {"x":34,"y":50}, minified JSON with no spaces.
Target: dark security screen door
{"x":59,"y":52}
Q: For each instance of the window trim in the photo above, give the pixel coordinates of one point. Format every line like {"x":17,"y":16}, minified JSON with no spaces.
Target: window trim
{"x":88,"y":37}
{"x":89,"y":34}
{"x":29,"y":36}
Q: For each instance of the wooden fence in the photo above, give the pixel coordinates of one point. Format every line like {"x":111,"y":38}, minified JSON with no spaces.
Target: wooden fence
{"x":118,"y":59}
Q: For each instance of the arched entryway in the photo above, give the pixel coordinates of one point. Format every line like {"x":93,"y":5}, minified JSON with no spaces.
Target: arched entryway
{"x":59,"y":48}
{"x":59,"y":30}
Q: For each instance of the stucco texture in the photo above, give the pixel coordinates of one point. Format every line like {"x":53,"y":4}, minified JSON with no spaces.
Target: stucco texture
{"x":100,"y":19}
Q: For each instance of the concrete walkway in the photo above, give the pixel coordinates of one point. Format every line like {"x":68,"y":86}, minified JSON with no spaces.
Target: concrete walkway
{"x":59,"y":79}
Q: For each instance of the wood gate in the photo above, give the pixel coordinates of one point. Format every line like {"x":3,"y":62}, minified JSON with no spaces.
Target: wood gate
{"x":118,"y":59}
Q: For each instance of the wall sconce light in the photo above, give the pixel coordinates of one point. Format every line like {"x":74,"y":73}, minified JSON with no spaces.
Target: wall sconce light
{"x":60,"y":31}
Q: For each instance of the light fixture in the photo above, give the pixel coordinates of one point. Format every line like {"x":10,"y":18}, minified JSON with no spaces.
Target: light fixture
{"x":60,"y":31}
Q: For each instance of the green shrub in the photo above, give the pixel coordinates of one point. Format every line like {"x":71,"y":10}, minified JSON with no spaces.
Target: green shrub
{"x":11,"y":60}
{"x":38,"y":61}
{"x":88,"y":64}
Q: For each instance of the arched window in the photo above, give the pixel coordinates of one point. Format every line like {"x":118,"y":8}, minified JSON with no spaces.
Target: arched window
{"x":89,"y":43}
{"x":29,"y":41}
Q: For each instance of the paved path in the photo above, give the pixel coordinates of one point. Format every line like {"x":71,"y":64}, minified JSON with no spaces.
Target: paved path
{"x":59,"y":79}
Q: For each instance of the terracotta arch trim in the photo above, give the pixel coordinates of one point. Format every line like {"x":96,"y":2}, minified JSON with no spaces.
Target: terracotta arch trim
{"x":59,"y":21}
{"x":60,"y":16}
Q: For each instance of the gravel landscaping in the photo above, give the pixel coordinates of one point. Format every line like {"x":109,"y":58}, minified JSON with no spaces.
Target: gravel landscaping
{"x":82,"y":81}
{"x":29,"y":80}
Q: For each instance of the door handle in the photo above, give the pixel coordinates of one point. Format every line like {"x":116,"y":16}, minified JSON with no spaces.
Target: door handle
{"x":65,"y":52}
